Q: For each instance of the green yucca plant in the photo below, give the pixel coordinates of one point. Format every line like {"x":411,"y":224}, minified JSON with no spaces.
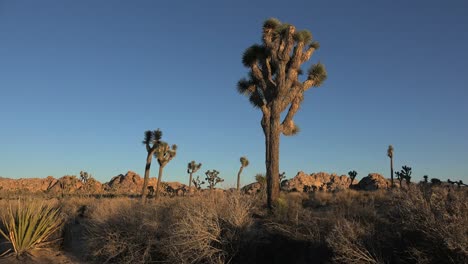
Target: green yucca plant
{"x":29,"y":225}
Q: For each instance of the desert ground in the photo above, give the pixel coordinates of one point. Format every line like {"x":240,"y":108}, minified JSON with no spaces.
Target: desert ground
{"x":320,"y":218}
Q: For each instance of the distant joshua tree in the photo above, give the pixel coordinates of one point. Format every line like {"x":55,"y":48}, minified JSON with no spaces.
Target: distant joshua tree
{"x":352,"y":175}
{"x":273,"y":86}
{"x":212,"y":178}
{"x":404,"y":174}
{"x":198,"y":183}
{"x":425,"y":178}
{"x":390,"y":155}
{"x":85,"y":176}
{"x":244,"y":163}
{"x":163,"y":154}
{"x":192,"y":167}
{"x":282,"y":176}
{"x":152,"y":141}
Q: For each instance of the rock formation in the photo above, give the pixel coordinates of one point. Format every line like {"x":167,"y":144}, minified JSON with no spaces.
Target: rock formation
{"x":321,"y":181}
{"x":373,"y":181}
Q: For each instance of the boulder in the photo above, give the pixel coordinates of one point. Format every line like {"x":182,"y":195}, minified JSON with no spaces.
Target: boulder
{"x":321,"y":181}
{"x":372,"y":182}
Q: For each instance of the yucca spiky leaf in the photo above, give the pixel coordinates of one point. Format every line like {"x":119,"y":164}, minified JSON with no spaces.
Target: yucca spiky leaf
{"x":271,"y":23}
{"x":315,"y":45}
{"x":282,"y":29}
{"x":157,"y":135}
{"x":243,"y":86}
{"x":390,"y":151}
{"x":318,"y":74}
{"x":303,"y":36}
{"x":29,"y":225}
{"x":253,"y":54}
{"x":148,"y":137}
{"x":244,"y":161}
{"x":256,"y":100}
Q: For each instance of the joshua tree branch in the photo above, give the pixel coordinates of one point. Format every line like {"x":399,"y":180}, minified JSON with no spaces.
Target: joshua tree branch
{"x":306,"y":56}
{"x":287,"y":126}
{"x":259,"y":76}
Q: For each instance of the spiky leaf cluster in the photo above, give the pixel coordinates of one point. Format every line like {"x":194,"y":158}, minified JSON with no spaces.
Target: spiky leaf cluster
{"x":152,"y":137}
{"x":318,"y":74}
{"x":212,"y":178}
{"x":390,"y":151}
{"x":244,"y":161}
{"x":193,"y":167}
{"x":165,"y":153}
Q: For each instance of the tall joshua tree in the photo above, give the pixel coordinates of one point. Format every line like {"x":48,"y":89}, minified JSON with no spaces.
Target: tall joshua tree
{"x":244,"y":163}
{"x":152,"y":142}
{"x":192,"y":167}
{"x":273,"y":86}
{"x":390,"y":155}
{"x":163,"y":154}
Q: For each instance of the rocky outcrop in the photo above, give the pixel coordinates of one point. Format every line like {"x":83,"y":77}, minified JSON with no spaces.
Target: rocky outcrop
{"x":130,"y":183}
{"x":32,"y":185}
{"x":372,"y":182}
{"x":321,"y":181}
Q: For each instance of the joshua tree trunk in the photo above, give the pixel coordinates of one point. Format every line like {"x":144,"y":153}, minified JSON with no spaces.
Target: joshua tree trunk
{"x":272,"y":176}
{"x":190,"y":183}
{"x":159,"y":181}
{"x":238,"y":178}
{"x":147,"y":172}
{"x":391,"y":171}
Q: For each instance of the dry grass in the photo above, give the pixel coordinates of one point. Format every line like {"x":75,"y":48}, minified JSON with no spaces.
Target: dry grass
{"x":418,"y":225}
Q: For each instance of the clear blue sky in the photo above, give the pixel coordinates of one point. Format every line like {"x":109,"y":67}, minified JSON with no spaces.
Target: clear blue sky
{"x":80,"y":81}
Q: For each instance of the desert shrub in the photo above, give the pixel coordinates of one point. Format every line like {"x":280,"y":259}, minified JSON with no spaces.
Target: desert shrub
{"x":352,"y":242}
{"x":416,"y":225}
{"x":122,"y":231}
{"x":28,"y":225}
{"x":433,"y":226}
{"x":208,"y":229}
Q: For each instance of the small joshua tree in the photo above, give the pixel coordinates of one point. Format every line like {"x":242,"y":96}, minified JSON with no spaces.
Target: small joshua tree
{"x":212,"y":178}
{"x":390,"y":155}
{"x":425,"y":178}
{"x":244,"y":163}
{"x":164,"y":154}
{"x":399,"y":177}
{"x":404,"y":174}
{"x":152,"y":141}
{"x":85,"y":176}
{"x":352,"y":175}
{"x":198,"y":183}
{"x":282,"y":176}
{"x":192,"y":167}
